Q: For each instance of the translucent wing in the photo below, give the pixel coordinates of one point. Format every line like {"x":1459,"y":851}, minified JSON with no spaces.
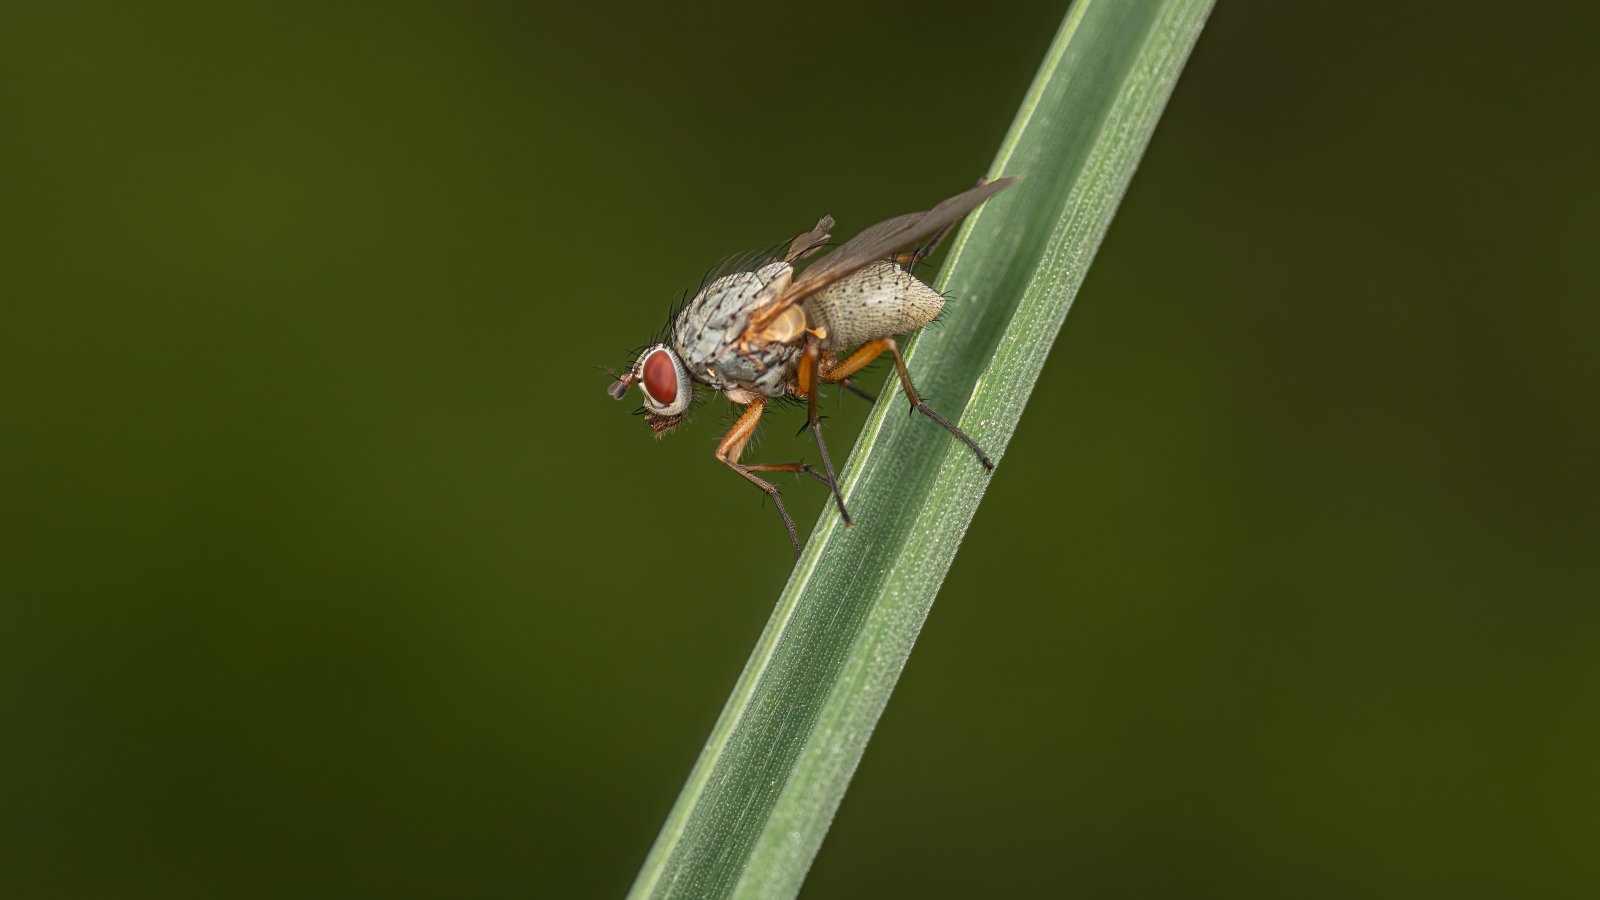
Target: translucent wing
{"x":879,"y":242}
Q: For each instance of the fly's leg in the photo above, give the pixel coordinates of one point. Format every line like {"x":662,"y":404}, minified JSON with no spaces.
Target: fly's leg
{"x":856,"y":389}
{"x":910,"y":260}
{"x":858,"y":360}
{"x":799,"y":467}
{"x":809,"y":369}
{"x":733,"y":445}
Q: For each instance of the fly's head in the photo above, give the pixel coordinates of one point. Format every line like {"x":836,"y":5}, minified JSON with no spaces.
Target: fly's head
{"x":663,"y":381}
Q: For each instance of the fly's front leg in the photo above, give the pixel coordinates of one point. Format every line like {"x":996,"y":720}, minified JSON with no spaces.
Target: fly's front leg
{"x":859,"y":360}
{"x":733,"y":445}
{"x":810,"y":383}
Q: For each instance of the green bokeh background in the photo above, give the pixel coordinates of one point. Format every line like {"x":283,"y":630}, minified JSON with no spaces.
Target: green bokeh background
{"x":330,"y":571}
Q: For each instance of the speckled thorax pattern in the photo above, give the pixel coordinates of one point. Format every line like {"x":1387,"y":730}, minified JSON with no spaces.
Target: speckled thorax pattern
{"x":706,"y":337}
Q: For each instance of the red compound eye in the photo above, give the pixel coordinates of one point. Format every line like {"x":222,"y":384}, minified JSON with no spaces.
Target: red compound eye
{"x":661,"y":378}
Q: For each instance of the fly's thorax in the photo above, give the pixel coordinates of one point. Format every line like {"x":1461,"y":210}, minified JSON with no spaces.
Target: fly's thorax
{"x":706,"y":335}
{"x":881,"y":300}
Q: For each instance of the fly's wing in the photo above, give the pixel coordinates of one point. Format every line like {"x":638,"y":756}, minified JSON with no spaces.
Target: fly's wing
{"x":879,"y":242}
{"x":801,"y":246}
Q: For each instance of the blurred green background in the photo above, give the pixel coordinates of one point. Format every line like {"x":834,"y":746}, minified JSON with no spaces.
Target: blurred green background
{"x":330,"y":571}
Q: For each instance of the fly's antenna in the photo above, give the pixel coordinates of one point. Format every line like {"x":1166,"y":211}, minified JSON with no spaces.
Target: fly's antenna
{"x":618,"y":388}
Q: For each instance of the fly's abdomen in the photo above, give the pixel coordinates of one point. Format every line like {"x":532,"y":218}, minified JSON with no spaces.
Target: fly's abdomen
{"x":881,"y":300}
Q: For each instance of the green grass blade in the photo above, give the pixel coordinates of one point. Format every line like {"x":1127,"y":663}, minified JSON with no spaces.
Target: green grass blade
{"x":759,"y":800}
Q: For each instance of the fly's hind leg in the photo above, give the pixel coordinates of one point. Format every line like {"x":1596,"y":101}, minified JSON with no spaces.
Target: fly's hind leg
{"x":858,"y":360}
{"x":733,"y":445}
{"x":858,"y":390}
{"x":910,"y":260}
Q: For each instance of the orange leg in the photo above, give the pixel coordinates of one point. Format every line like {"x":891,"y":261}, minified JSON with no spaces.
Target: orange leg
{"x":799,"y":467}
{"x":732,"y":447}
{"x":859,"y":360}
{"x":825,"y":361}
{"x":805,"y":374}
{"x":810,"y":365}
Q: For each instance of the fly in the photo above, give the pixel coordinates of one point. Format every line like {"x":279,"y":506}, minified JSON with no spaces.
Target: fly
{"x":769,"y":331}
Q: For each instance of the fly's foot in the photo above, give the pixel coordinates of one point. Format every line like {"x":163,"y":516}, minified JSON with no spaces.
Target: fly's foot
{"x":918,"y":405}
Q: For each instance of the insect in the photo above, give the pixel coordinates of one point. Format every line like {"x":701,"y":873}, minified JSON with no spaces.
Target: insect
{"x":766,"y":330}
